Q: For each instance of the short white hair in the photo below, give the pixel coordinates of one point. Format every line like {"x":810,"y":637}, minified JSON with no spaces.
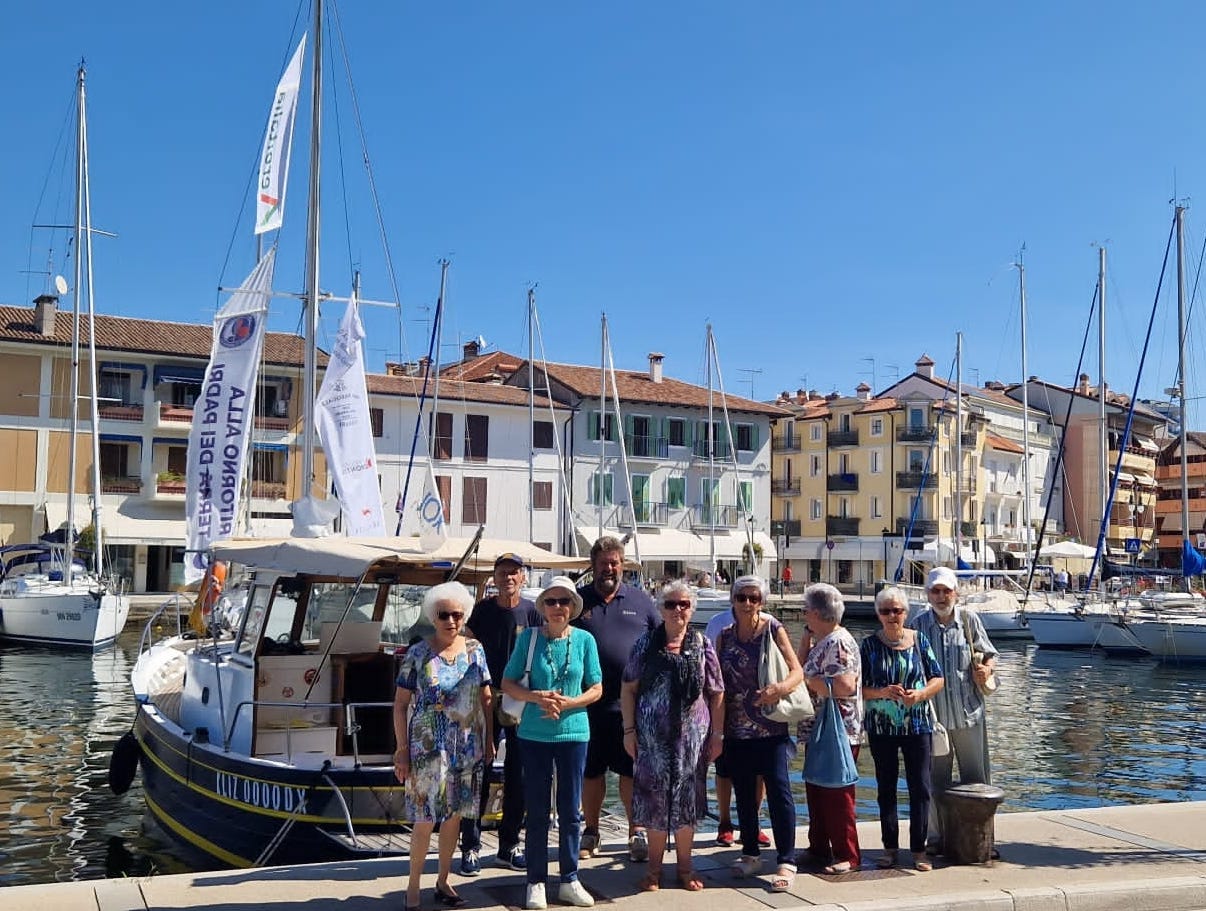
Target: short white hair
{"x":891,"y":594}
{"x":453,"y":592}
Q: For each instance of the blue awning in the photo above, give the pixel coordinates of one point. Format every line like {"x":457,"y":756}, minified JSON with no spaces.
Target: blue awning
{"x":169,"y":441}
{"x":171,"y":373}
{"x":271,"y":447}
{"x":120,"y":438}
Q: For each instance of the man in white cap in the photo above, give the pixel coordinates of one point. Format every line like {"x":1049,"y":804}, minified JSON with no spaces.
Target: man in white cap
{"x":954,"y":635}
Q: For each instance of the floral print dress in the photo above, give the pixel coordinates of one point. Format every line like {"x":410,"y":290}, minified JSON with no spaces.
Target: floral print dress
{"x":446,"y":731}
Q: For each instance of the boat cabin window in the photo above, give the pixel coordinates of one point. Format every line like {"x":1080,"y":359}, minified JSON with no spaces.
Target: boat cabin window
{"x":258,"y":622}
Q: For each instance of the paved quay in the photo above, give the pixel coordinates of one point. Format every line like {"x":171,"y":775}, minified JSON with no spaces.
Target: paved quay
{"x":1132,"y":858}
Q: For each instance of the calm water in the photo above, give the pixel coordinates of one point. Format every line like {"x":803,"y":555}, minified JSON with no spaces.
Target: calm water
{"x":1067,"y":730}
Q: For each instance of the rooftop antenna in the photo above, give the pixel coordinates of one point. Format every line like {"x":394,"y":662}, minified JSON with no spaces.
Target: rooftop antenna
{"x":872,"y":361}
{"x":750,"y":374}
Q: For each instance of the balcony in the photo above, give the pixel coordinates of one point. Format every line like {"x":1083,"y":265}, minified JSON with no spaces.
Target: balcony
{"x":656,"y":514}
{"x":843,"y":438}
{"x":913,"y":480}
{"x":121,"y":485}
{"x":846,"y":481}
{"x":175,"y":414}
{"x":169,"y":483}
{"x":785,"y":443}
{"x":841,"y":525}
{"x":641,"y":446}
{"x":720,"y":450}
{"x":970,"y":530}
{"x":915,"y":433}
{"x":788,"y":487}
{"x":706,"y":516}
{"x":263,"y":422}
{"x":967,"y":438}
{"x":120,"y":411}
{"x":268,"y":490}
{"x":789,"y":527}
{"x":922,"y":528}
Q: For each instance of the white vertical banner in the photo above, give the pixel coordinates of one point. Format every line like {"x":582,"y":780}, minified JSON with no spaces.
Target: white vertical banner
{"x":223,"y":418}
{"x":341,"y":417}
{"x":278,"y":144}
{"x":432,"y":530}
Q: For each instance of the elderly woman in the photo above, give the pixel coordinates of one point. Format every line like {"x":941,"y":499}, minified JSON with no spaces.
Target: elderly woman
{"x":565,"y":678}
{"x":672,"y":700}
{"x":444,"y":687}
{"x":900,"y":675}
{"x":832,"y":670}
{"x":755,"y":745}
{"x":967,"y":658}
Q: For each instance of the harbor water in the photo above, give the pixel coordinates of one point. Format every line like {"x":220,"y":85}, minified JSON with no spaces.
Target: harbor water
{"x":1067,"y":729}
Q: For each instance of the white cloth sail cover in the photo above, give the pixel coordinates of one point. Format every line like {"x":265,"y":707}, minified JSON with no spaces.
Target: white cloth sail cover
{"x":432,"y":530}
{"x":341,"y":416}
{"x":223,"y":419}
{"x":273,"y":178}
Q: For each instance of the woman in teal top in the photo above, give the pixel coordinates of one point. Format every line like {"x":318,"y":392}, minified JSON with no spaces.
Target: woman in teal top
{"x":565,"y":678}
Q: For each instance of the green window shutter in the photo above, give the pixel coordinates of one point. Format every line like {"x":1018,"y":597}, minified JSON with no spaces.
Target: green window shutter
{"x":592,"y":426}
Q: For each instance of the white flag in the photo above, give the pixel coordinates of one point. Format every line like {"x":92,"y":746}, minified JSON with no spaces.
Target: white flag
{"x":341,"y":416}
{"x":432,"y":530}
{"x":278,"y":144}
{"x":223,"y":418}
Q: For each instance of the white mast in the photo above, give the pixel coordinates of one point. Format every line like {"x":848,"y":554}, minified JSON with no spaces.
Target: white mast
{"x":531,"y":417}
{"x":711,"y":438}
{"x":1181,"y":333}
{"x":1103,"y":462}
{"x":958,"y":447}
{"x":313,"y":221}
{"x":602,"y":419}
{"x":1026,"y":486}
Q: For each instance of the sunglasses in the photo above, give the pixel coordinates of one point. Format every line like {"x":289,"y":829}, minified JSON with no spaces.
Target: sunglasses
{"x":941,"y":590}
{"x":748,"y":599}
{"x":454,"y":616}
{"x":676,"y":605}
{"x":558,"y":602}
{"x":891,"y":611}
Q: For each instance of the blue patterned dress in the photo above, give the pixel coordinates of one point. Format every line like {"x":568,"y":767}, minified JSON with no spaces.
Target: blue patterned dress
{"x":446,"y":731}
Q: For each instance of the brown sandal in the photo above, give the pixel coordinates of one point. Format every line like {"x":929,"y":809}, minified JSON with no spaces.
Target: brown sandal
{"x":651,"y":881}
{"x":690,"y":881}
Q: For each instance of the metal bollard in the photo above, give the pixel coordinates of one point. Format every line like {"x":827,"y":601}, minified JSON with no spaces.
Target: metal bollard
{"x":967,"y":812}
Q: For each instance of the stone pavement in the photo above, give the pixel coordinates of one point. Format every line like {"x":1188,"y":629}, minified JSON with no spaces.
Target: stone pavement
{"x":1133,"y":858}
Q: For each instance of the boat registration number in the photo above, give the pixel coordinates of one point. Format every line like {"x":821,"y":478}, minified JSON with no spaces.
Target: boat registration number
{"x":263,"y":794}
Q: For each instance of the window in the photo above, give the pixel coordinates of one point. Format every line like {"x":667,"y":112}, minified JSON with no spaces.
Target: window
{"x":473,"y":501}
{"x":272,"y":398}
{"x":844,"y":423}
{"x":877,"y":427}
{"x":946,"y":507}
{"x":115,"y":386}
{"x":600,"y":493}
{"x":377,"y":419}
{"x":745,"y":496}
{"x":746,"y":437}
{"x":542,"y":494}
{"x":844,"y":463}
{"x":442,"y":448}
{"x":814,"y":466}
{"x":788,"y":512}
{"x":814,"y":433}
{"x":676,"y":430}
{"x":917,"y":460}
{"x":444,"y":489}
{"x":917,"y":418}
{"x":477,"y":438}
{"x":787,"y":471}
{"x":641,"y":501}
{"x":844,"y":507}
{"x":814,"y":509}
{"x":542,"y":434}
{"x":877,"y":509}
{"x":177,"y":459}
{"x":609,"y":426}
{"x":877,"y":461}
{"x":676,"y":492}
{"x":114,"y":460}
{"x":184,"y":395}
{"x":268,"y":465}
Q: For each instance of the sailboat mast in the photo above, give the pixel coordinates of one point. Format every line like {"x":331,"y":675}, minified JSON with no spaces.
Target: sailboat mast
{"x":1026,"y":486}
{"x":531,"y":417}
{"x":1181,"y":333}
{"x":604,"y":343}
{"x":711,"y":437}
{"x":313,"y":221}
{"x":1103,"y":462}
{"x":75,"y":322}
{"x":93,"y":376}
{"x":958,"y":536}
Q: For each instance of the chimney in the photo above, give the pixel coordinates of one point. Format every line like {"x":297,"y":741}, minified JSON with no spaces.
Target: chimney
{"x":863,"y":392}
{"x":925,"y":367}
{"x":783,"y":398}
{"x":1084,"y":384}
{"x":470,"y":350}
{"x":423,"y":362}
{"x":833,"y":396}
{"x":44,"y":311}
{"x":801,"y":397}
{"x":655,"y":366}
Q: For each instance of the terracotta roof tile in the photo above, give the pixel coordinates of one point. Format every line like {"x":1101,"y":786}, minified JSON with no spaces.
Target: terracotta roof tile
{"x":1002,"y":444}
{"x":453,"y":391}
{"x":475,"y":369}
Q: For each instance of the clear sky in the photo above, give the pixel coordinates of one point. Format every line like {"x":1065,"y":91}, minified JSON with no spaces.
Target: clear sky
{"x":836,"y":187}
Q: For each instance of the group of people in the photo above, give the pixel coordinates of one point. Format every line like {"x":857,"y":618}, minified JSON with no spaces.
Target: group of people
{"x":612,"y":680}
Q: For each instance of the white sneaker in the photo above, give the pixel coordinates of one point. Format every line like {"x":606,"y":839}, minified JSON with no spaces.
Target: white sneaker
{"x":574,"y":893}
{"x":536,"y":900}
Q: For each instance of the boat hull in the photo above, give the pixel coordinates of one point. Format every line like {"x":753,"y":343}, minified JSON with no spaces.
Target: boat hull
{"x":230,"y":808}
{"x":71,"y":617}
{"x":1172,"y":640}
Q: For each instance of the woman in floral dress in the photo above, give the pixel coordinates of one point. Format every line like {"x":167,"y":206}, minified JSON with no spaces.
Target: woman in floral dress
{"x":445,"y":743}
{"x":672,"y":700}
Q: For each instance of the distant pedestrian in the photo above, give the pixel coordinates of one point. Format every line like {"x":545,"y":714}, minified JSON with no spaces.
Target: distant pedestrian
{"x":787,"y":577}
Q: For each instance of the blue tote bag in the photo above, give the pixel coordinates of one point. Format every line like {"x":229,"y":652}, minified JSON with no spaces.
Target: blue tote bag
{"x":828,"y":761}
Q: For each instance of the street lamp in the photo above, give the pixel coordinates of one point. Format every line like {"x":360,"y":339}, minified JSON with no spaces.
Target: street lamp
{"x":1137,"y":508}
{"x":884,"y":534}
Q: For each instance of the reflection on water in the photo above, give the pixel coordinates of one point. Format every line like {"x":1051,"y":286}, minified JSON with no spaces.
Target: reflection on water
{"x":1068,"y":729}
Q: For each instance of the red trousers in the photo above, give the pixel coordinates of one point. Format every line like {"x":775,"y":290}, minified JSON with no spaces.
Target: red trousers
{"x":832,"y":827}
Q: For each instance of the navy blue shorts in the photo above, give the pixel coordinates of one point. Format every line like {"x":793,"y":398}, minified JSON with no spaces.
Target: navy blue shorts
{"x":606,"y":749}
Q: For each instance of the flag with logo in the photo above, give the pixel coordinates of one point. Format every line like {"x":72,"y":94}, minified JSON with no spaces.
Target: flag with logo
{"x":222,"y":419}
{"x":345,"y":427}
{"x":273,"y":176}
{"x":432,"y":530}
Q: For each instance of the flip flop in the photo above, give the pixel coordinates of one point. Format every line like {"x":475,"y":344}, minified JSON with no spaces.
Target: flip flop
{"x":690,"y":881}
{"x":838,"y":869}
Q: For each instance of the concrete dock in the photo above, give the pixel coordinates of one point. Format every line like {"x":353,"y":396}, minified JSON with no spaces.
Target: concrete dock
{"x":1132,"y":858}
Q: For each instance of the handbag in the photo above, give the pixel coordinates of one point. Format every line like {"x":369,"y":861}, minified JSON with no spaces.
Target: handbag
{"x":940,"y":740}
{"x":510,"y":709}
{"x":829,"y":761}
{"x":773,"y":668}
{"x":990,"y":686}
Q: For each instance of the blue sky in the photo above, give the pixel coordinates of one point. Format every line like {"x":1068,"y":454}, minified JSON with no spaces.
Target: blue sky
{"x":826,"y":183}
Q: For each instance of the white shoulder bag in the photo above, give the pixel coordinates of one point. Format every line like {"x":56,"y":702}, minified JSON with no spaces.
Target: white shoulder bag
{"x":510,"y":709}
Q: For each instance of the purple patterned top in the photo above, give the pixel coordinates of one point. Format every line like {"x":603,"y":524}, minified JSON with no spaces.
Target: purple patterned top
{"x":739,"y":665}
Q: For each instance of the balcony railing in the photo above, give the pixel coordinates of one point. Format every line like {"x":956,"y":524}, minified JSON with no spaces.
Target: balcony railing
{"x":968,"y":438}
{"x":785,"y":486}
{"x":180,"y":414}
{"x":642,"y":446}
{"x":268,"y":490}
{"x":121,"y":485}
{"x":647,"y":514}
{"x":970,"y":530}
{"x":120,"y":412}
{"x":785,"y":443}
{"x":720,"y":516}
{"x":846,"y":481}
{"x":922,"y":528}
{"x":789,"y":527}
{"x":720,"y":449}
{"x":912,"y":480}
{"x":841,"y":525}
{"x":843,"y":438}
{"x":263,"y":422}
{"x":170,"y":486}
{"x":915,"y":433}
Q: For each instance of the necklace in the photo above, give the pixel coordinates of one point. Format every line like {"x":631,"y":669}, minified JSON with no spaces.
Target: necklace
{"x":893,"y":642}
{"x":557,"y":678}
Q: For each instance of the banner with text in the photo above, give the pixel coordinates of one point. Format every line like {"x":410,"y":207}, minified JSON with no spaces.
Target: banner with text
{"x":273,"y":176}
{"x":223,"y":418}
{"x":345,"y":427}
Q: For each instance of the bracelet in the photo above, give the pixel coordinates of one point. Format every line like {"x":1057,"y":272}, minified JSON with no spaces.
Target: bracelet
{"x":629,"y":730}
{"x":718,"y":734}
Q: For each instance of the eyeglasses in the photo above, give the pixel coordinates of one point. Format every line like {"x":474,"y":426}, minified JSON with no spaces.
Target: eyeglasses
{"x":891,"y":611}
{"x":558,"y":602}
{"x":941,"y":590}
{"x":676,"y":605}
{"x":453,"y":615}
{"x":749,"y":599}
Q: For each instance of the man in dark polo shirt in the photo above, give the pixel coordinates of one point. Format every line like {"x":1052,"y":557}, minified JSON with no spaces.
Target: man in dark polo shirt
{"x":495,"y":622}
{"x":616,"y":614}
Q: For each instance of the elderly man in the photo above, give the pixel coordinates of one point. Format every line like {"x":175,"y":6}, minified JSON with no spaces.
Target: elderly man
{"x":495,"y":622}
{"x":959,"y":705}
{"x":616,"y":614}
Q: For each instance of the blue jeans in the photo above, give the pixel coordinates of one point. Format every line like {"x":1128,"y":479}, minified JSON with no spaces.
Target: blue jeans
{"x":768,"y":757}
{"x":539,"y":759}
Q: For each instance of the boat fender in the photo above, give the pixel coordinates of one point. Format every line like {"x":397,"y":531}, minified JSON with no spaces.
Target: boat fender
{"x":123,"y":763}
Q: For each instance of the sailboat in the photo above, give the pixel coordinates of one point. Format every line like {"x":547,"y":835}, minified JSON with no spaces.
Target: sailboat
{"x":47,"y":596}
